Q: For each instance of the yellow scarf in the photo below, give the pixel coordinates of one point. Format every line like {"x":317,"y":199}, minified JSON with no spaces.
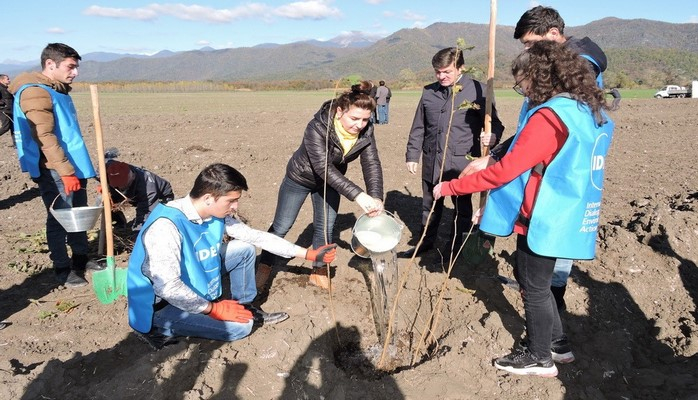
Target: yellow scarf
{"x":346,"y":139}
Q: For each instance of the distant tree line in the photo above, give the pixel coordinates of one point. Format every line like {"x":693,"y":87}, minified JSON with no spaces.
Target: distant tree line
{"x":628,"y":68}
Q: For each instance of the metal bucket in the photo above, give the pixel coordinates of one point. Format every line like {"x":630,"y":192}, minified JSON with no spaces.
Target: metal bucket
{"x":377,"y":234}
{"x":76,"y":219}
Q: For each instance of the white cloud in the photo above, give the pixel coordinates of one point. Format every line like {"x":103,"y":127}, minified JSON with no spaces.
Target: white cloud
{"x":310,"y":9}
{"x":203,"y":43}
{"x":407,"y":15}
{"x":693,"y":19}
{"x":313,"y":9}
{"x":142,"y":14}
{"x":201,"y":13}
{"x":373,"y":36}
{"x":56,"y":30}
{"x":412,"y":16}
{"x":374,"y":2}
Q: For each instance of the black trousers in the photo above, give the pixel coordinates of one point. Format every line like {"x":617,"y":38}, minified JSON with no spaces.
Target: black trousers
{"x":462,"y":216}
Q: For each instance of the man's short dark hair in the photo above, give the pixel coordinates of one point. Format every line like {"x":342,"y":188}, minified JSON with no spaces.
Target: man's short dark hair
{"x":218,"y":180}
{"x":539,"y":20}
{"x":58,"y":52}
{"x":445,"y":57}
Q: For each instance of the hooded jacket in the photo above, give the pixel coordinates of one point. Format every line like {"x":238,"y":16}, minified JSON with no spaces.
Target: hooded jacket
{"x":307,"y":165}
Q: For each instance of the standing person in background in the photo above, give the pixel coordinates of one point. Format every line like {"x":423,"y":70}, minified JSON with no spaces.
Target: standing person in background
{"x":339,"y":133}
{"x":615,"y":93}
{"x":50,"y":147}
{"x":545,"y":23}
{"x":427,"y":140}
{"x":544,"y":189}
{"x":174,"y":272}
{"x":382,"y":99}
{"x":6,"y":102}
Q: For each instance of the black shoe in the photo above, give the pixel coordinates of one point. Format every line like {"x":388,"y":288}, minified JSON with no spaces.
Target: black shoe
{"x":155,"y":341}
{"x":61,"y":275}
{"x":264,"y":318}
{"x":560,"y":349}
{"x":522,"y":362}
{"x":411,"y":252}
{"x":75,"y":279}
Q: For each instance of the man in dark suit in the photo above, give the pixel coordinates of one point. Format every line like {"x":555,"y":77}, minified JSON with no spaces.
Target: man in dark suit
{"x":437,"y":110}
{"x":6,"y":100}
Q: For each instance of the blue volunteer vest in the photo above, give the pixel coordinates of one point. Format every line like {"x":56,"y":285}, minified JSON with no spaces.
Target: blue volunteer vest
{"x":66,"y":129}
{"x":565,"y":215}
{"x":200,"y":264}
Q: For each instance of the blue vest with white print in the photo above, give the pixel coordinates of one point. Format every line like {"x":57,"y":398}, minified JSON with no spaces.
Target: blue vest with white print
{"x":66,"y":129}
{"x":565,"y":216}
{"x":200,"y":264}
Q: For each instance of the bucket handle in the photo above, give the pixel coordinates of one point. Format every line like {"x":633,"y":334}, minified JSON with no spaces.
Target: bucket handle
{"x":393,"y":215}
{"x":56,"y":198}
{"x":396,"y":218}
{"x":54,"y":201}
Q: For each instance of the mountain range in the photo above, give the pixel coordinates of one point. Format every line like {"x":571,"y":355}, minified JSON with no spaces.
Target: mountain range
{"x":640,"y":52}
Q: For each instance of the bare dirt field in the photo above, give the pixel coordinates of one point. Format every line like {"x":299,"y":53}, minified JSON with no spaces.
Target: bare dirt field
{"x":631,"y":316}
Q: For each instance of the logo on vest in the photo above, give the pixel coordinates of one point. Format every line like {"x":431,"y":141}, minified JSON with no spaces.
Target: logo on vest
{"x":204,"y":254}
{"x":208,"y":251}
{"x":598,"y":160}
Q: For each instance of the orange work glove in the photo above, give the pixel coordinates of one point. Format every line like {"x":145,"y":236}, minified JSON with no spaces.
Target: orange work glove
{"x":324,"y":253}
{"x":71,"y":183}
{"x":230,"y":310}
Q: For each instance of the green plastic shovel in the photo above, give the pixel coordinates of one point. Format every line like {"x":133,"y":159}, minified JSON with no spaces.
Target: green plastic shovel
{"x":109,"y":283}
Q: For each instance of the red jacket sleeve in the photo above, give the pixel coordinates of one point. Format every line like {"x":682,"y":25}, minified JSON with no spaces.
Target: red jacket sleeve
{"x":540,"y":140}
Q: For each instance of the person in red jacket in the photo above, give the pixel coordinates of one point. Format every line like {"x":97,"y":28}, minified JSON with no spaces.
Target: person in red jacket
{"x":558,"y":84}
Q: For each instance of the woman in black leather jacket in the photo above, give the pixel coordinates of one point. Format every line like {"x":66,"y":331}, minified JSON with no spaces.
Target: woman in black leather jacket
{"x":339,"y":133}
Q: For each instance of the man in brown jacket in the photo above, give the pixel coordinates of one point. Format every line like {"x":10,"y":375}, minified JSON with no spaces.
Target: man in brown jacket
{"x":51,"y":149}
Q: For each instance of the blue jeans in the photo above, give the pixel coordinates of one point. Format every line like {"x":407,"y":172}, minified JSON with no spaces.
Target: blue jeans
{"x":291,"y":197}
{"x":51,"y":186}
{"x":382,"y":113}
{"x":238,"y":258}
{"x":534,"y":274}
{"x":563,"y":267}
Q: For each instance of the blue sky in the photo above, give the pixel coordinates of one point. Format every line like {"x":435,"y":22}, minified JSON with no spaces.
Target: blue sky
{"x":148,"y":26}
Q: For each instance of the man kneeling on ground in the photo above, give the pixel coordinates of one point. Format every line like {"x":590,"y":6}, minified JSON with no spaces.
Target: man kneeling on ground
{"x":174,"y":273}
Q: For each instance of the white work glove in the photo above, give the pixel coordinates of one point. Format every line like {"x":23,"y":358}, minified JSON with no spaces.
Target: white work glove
{"x":367,"y":203}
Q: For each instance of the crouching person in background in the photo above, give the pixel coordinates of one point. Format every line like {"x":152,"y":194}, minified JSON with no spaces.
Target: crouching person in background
{"x":174,"y":273}
{"x":139,"y":188}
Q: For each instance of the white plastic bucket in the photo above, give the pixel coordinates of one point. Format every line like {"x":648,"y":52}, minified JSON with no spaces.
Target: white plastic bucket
{"x":76,"y":219}
{"x":377,"y":234}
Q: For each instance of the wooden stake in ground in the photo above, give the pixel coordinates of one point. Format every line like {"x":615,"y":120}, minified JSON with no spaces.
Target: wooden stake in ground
{"x":485,"y":150}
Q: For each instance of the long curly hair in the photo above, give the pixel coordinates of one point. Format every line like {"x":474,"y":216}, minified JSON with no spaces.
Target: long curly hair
{"x":551,"y":68}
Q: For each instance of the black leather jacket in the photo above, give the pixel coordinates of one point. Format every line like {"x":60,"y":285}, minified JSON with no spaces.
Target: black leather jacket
{"x":307,"y":165}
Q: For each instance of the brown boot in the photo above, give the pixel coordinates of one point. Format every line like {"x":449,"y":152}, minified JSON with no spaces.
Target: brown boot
{"x":262,"y":276}
{"x":319,"y":278}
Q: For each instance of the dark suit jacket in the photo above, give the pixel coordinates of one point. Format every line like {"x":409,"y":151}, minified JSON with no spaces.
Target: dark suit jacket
{"x":428,"y":134}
